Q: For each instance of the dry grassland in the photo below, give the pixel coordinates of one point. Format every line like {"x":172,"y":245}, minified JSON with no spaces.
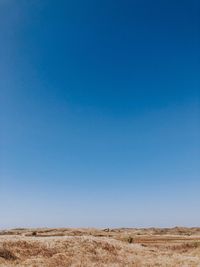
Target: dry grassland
{"x":95,"y":248}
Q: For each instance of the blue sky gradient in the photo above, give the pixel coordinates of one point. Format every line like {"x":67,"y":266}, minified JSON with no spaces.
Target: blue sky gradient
{"x":100,"y":113}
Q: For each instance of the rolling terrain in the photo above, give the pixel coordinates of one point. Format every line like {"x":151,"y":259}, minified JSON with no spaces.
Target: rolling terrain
{"x":90,"y":247}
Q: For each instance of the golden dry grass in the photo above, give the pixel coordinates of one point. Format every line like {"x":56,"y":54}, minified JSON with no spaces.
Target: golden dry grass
{"x":94,"y":248}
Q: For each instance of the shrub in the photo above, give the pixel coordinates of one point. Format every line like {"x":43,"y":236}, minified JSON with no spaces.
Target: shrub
{"x":34,"y":233}
{"x":7,"y":254}
{"x":130,"y":240}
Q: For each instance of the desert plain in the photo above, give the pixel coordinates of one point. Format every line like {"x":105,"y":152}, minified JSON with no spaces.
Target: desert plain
{"x":67,"y":247}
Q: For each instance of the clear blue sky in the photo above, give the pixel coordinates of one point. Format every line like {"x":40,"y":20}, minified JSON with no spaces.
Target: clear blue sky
{"x":100,"y":113}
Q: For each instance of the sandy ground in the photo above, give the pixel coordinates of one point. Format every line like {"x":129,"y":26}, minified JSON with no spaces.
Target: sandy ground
{"x":100,"y":247}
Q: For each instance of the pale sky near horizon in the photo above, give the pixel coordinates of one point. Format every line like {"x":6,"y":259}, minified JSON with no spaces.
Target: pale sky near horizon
{"x":100,"y":113}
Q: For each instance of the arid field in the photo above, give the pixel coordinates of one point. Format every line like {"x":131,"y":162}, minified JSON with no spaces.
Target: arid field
{"x":100,"y":247}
